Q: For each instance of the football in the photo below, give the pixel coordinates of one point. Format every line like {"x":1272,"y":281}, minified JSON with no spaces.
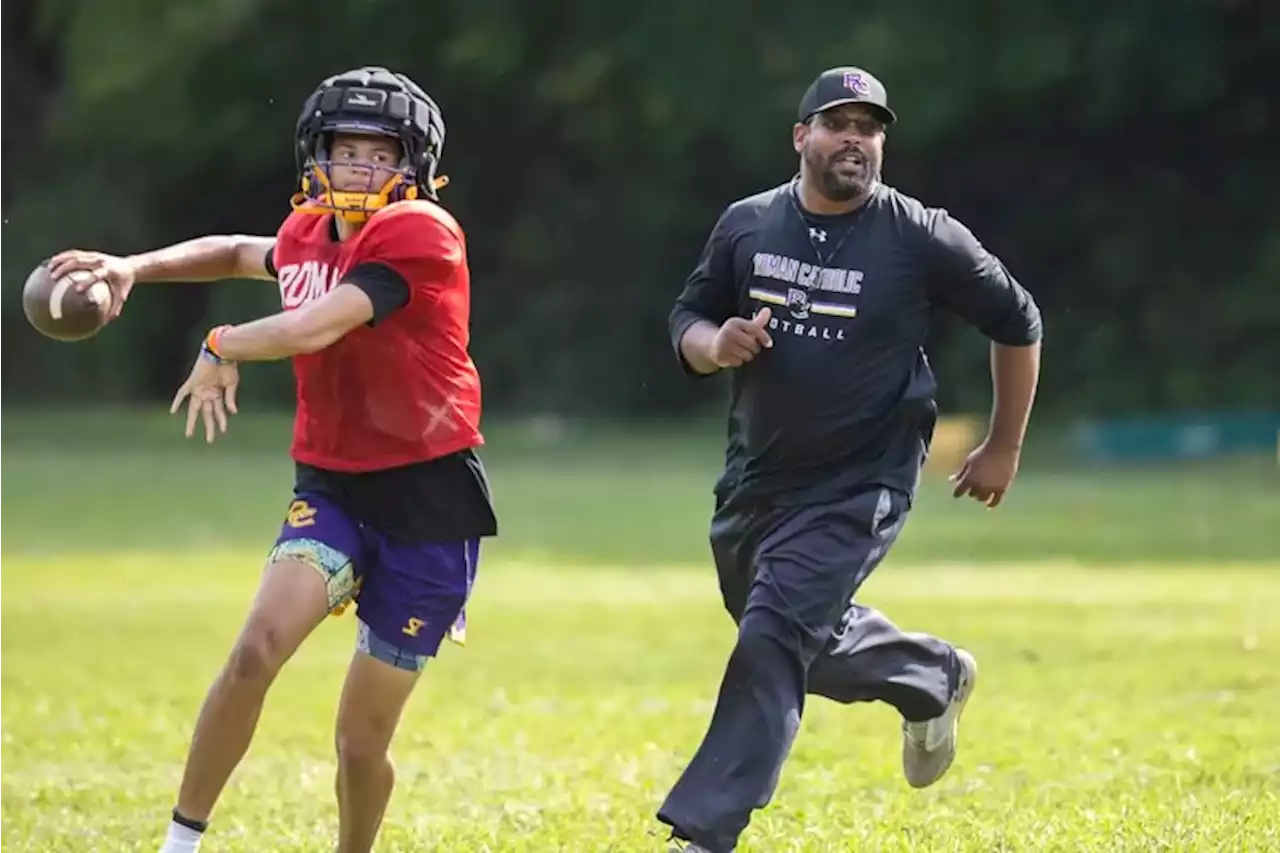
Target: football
{"x":57,"y":310}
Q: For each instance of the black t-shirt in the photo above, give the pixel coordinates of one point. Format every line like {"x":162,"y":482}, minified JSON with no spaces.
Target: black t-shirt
{"x":845,"y":397}
{"x":440,"y":500}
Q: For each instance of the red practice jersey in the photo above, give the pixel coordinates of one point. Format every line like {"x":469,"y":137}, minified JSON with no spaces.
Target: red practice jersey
{"x":404,"y":390}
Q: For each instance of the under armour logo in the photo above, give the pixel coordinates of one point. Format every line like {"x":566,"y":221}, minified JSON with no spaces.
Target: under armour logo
{"x":818,"y":234}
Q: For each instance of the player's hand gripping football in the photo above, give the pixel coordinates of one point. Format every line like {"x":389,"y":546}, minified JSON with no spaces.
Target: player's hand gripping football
{"x":93,"y":267}
{"x":740,"y":340}
{"x":987,"y":473}
{"x":212,"y":389}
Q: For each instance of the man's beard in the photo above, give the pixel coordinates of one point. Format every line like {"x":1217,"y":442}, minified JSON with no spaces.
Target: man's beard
{"x":838,"y":186}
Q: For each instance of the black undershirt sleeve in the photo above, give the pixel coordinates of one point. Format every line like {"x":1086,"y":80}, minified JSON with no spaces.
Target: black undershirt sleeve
{"x":386,"y":288}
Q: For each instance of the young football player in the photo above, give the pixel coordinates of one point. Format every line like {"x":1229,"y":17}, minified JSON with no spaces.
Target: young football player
{"x":390,"y":500}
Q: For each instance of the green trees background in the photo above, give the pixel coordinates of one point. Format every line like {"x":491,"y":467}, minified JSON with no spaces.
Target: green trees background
{"x":1120,"y":157}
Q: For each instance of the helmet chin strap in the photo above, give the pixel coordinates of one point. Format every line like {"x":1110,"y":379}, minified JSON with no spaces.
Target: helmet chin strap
{"x":319,"y":197}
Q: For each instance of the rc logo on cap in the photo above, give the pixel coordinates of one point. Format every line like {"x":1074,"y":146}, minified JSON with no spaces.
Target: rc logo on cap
{"x":855,"y":82}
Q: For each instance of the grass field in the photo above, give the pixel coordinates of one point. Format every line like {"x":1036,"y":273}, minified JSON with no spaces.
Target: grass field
{"x":1127,"y":624}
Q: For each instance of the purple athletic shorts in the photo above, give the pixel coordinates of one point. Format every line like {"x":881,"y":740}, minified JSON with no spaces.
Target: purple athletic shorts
{"x":409,"y":596}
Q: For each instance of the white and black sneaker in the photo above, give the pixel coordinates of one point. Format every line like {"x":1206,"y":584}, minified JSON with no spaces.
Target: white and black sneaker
{"x":929,"y":746}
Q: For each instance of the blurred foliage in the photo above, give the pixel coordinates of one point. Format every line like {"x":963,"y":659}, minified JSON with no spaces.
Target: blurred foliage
{"x":1119,"y":158}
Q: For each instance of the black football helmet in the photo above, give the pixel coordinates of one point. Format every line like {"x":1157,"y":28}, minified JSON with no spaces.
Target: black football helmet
{"x":368,"y":100}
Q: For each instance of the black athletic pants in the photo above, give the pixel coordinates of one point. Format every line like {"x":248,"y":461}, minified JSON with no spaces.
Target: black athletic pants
{"x":788,"y":576}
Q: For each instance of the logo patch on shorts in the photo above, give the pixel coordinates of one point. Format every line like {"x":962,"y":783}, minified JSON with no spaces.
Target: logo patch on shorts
{"x":300,"y":514}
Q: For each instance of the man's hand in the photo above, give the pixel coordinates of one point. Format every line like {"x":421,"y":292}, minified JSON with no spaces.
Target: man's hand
{"x":117,"y":272}
{"x":739,"y":340}
{"x":987,"y":473}
{"x":212,"y":388}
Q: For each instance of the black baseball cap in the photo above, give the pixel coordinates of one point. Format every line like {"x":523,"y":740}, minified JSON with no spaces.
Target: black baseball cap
{"x":846,"y":85}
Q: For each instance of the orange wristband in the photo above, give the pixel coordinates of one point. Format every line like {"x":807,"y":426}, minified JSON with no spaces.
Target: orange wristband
{"x":214,"y":341}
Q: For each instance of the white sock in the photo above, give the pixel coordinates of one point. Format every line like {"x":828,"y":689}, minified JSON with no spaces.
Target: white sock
{"x":181,"y":839}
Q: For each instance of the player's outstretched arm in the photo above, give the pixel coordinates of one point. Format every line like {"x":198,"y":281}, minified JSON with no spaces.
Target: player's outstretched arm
{"x":202,"y":259}
{"x":206,"y":259}
{"x":304,"y":330}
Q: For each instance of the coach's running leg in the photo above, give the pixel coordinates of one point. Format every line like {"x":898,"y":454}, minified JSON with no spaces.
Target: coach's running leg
{"x":786,"y":576}
{"x":290,"y":603}
{"x":381,"y":679}
{"x":802,"y":564}
{"x":929,"y":681}
{"x":866,"y":657}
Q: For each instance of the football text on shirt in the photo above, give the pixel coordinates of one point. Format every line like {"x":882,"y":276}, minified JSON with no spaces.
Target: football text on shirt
{"x":805,"y":278}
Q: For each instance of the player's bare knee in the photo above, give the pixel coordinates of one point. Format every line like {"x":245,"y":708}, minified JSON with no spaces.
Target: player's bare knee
{"x":258,"y":654}
{"x":363,"y":739}
{"x":367,"y":725}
